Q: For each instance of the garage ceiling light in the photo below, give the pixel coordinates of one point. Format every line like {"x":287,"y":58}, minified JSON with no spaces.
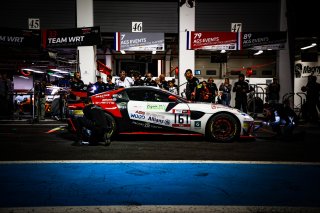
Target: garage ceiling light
{"x":60,"y":71}
{"x":310,"y":46}
{"x":259,"y":52}
{"x":32,"y":70}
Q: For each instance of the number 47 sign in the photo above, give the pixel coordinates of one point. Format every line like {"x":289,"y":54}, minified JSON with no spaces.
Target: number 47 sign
{"x":236,"y":27}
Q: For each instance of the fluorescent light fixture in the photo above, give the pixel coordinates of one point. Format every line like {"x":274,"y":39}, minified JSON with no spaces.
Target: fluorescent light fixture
{"x":37,"y":71}
{"x":28,"y":69}
{"x":259,"y":52}
{"x":154,"y":52}
{"x":25,"y":77}
{"x":32,"y":70}
{"x":310,"y":46}
{"x":223,"y":51}
{"x":123,"y":52}
{"x":58,"y":76}
{"x":72,"y":62}
{"x":60,"y":71}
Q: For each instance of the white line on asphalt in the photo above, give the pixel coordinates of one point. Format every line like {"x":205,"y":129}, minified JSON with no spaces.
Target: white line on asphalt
{"x":162,"y":161}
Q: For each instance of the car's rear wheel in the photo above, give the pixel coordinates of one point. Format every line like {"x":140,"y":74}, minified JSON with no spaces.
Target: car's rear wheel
{"x":223,"y":127}
{"x":111,"y":132}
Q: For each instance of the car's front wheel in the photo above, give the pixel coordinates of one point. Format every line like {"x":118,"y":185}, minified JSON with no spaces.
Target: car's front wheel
{"x":111,"y":132}
{"x":223,"y":127}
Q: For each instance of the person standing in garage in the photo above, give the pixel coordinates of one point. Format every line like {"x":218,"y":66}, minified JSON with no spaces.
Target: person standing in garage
{"x":76,"y":84}
{"x":124,"y":81}
{"x":40,"y":98}
{"x":192,"y":83}
{"x":273,"y":92}
{"x":225,"y":88}
{"x":100,"y":86}
{"x":241,"y":88}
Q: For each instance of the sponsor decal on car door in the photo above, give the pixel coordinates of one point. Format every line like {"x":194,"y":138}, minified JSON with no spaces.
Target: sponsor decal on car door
{"x":160,"y":113}
{"x":149,"y":112}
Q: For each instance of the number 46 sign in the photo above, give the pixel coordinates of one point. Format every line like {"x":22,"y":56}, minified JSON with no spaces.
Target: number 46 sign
{"x":136,"y":26}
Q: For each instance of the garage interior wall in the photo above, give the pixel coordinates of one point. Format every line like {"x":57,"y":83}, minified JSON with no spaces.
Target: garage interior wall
{"x":255,"y":16}
{"x":15,"y":13}
{"x":117,"y":16}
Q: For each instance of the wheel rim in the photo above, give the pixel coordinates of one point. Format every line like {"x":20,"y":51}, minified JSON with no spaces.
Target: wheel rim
{"x":111,"y":131}
{"x":223,"y":129}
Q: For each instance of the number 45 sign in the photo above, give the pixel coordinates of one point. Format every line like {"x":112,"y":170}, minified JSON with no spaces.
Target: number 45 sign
{"x":34,"y":23}
{"x":136,"y":26}
{"x":236,"y":27}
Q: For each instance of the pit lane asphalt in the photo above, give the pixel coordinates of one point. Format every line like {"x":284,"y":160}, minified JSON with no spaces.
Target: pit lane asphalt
{"x":21,"y":140}
{"x":37,"y":176}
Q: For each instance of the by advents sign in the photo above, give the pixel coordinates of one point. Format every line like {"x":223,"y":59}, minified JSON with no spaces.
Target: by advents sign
{"x":263,"y":40}
{"x":139,"y":41}
{"x":87,"y":36}
{"x":212,"y":40}
{"x":20,"y":38}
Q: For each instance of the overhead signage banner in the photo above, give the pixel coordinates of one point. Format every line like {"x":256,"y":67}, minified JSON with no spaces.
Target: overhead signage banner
{"x":212,"y":40}
{"x":236,"y":41}
{"x":20,"y":38}
{"x":139,"y":41}
{"x":264,"y":40}
{"x":87,"y":36}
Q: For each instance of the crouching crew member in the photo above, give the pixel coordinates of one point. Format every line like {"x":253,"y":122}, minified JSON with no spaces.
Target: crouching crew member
{"x":95,"y":120}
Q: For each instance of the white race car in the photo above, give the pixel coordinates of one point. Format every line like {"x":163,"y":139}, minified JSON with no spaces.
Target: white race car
{"x":150,"y":110}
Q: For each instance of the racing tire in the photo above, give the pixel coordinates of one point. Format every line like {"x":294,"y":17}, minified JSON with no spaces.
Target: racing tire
{"x":223,"y":128}
{"x":111,"y":132}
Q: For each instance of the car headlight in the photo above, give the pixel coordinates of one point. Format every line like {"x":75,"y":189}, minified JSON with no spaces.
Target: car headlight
{"x":76,"y":112}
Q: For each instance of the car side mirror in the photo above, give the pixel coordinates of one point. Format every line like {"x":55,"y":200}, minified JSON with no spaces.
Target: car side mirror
{"x":119,"y":98}
{"x":172,"y":98}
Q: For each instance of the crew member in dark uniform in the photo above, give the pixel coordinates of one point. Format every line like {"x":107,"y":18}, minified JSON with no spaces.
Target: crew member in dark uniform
{"x":191,"y":88}
{"x":273,"y":92}
{"x":241,"y":88}
{"x":40,"y":97}
{"x":76,"y":84}
{"x":95,"y":120}
{"x":148,"y":80}
{"x":109,"y":84}
{"x":100,"y":86}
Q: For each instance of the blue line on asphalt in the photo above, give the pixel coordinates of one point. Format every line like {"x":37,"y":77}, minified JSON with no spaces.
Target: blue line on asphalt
{"x":89,"y":184}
